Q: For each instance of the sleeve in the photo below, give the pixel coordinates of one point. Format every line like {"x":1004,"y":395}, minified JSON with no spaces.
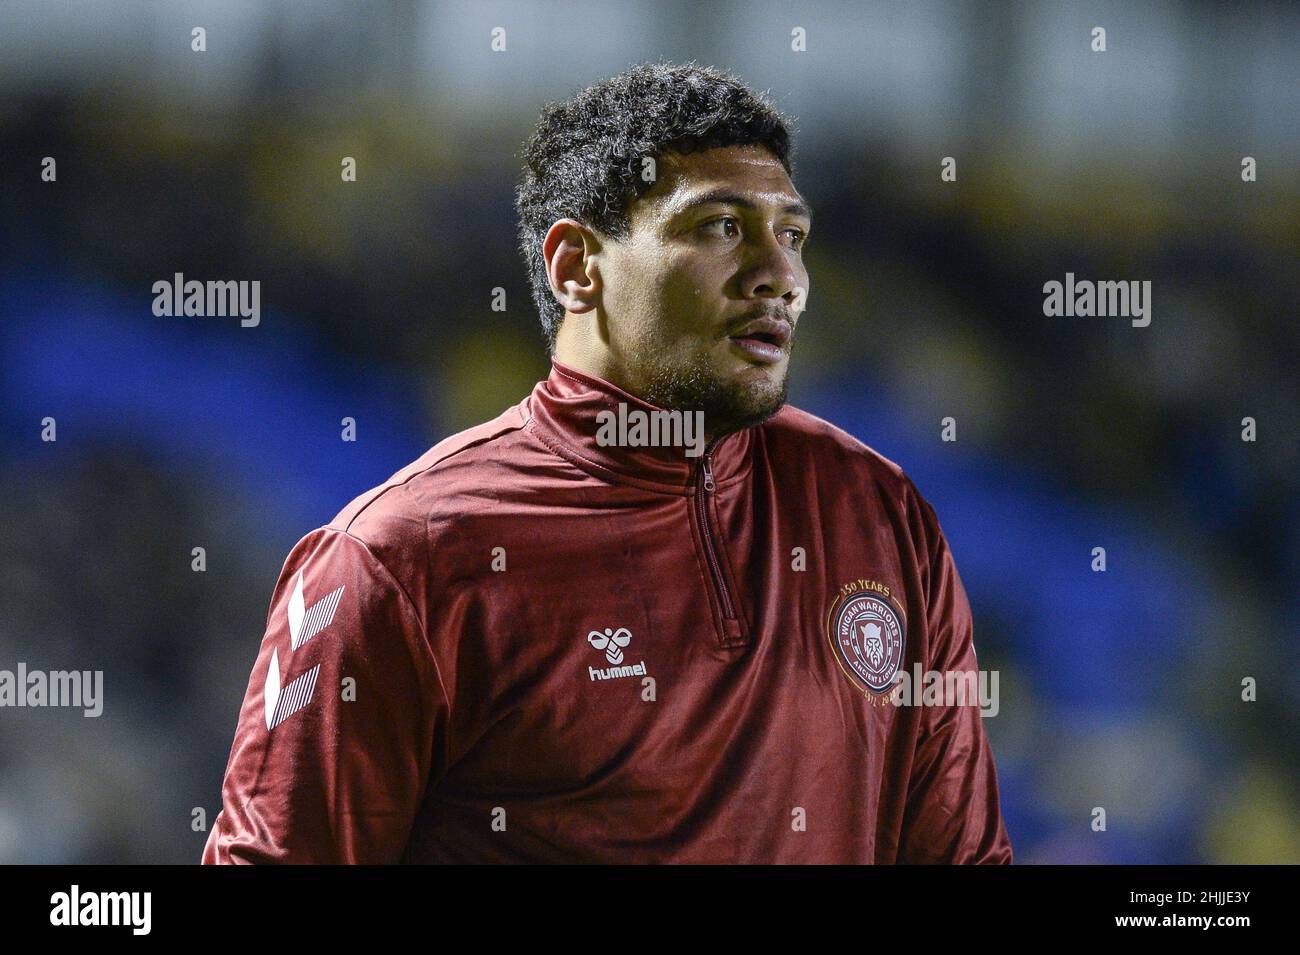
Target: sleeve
{"x":953,"y":813}
{"x":344,"y":716}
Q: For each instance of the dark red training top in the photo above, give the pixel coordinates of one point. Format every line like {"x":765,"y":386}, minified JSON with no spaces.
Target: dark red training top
{"x":530,"y":646}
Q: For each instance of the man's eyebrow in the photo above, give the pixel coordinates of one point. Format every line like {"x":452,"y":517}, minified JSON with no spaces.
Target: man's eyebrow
{"x":727,"y":197}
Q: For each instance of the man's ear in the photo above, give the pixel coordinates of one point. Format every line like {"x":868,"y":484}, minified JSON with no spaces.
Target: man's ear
{"x":571,"y":252}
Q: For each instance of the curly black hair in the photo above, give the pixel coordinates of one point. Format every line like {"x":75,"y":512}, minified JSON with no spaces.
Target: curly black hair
{"x":583,"y":160}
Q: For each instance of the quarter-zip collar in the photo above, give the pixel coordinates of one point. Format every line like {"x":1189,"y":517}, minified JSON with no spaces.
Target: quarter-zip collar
{"x":562,"y":412}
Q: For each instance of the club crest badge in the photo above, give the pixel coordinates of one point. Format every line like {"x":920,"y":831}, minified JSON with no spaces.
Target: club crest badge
{"x":868,"y":632}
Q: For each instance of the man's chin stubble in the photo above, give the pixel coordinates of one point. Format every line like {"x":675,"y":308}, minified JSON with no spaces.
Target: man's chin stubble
{"x":727,"y":406}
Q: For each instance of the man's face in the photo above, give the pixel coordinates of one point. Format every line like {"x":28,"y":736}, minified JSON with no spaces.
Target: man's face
{"x":714,"y":245}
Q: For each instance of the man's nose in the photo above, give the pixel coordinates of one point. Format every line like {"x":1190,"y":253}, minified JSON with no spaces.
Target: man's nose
{"x":772,"y":272}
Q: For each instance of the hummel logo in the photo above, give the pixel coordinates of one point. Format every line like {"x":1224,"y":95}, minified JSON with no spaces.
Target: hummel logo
{"x":303,"y":625}
{"x":613,"y":642}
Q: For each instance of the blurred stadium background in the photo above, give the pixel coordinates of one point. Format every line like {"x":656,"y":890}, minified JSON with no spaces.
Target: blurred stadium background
{"x":1119,"y":690}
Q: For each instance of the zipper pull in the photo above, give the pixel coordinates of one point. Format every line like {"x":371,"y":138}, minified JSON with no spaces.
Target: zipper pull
{"x":708,"y":475}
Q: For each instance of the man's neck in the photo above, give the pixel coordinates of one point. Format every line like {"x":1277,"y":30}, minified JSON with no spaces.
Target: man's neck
{"x":590,"y":357}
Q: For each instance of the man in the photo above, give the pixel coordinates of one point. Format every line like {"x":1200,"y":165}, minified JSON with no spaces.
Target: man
{"x":556,"y":637}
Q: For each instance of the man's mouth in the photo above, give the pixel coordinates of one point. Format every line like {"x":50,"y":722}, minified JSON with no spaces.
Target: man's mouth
{"x":763,"y":339}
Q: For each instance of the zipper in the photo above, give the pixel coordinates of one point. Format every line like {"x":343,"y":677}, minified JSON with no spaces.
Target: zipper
{"x":705,"y":487}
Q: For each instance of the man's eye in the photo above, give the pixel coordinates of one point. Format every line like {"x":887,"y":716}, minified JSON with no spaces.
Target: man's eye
{"x":800,"y":238}
{"x":725,"y":219}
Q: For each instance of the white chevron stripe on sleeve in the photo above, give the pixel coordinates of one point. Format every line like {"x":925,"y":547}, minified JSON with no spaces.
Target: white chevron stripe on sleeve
{"x":294,"y":697}
{"x":320,"y":616}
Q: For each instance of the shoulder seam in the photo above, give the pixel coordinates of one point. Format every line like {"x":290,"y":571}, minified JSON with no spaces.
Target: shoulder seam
{"x":855,"y":443}
{"x":433,"y":464}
